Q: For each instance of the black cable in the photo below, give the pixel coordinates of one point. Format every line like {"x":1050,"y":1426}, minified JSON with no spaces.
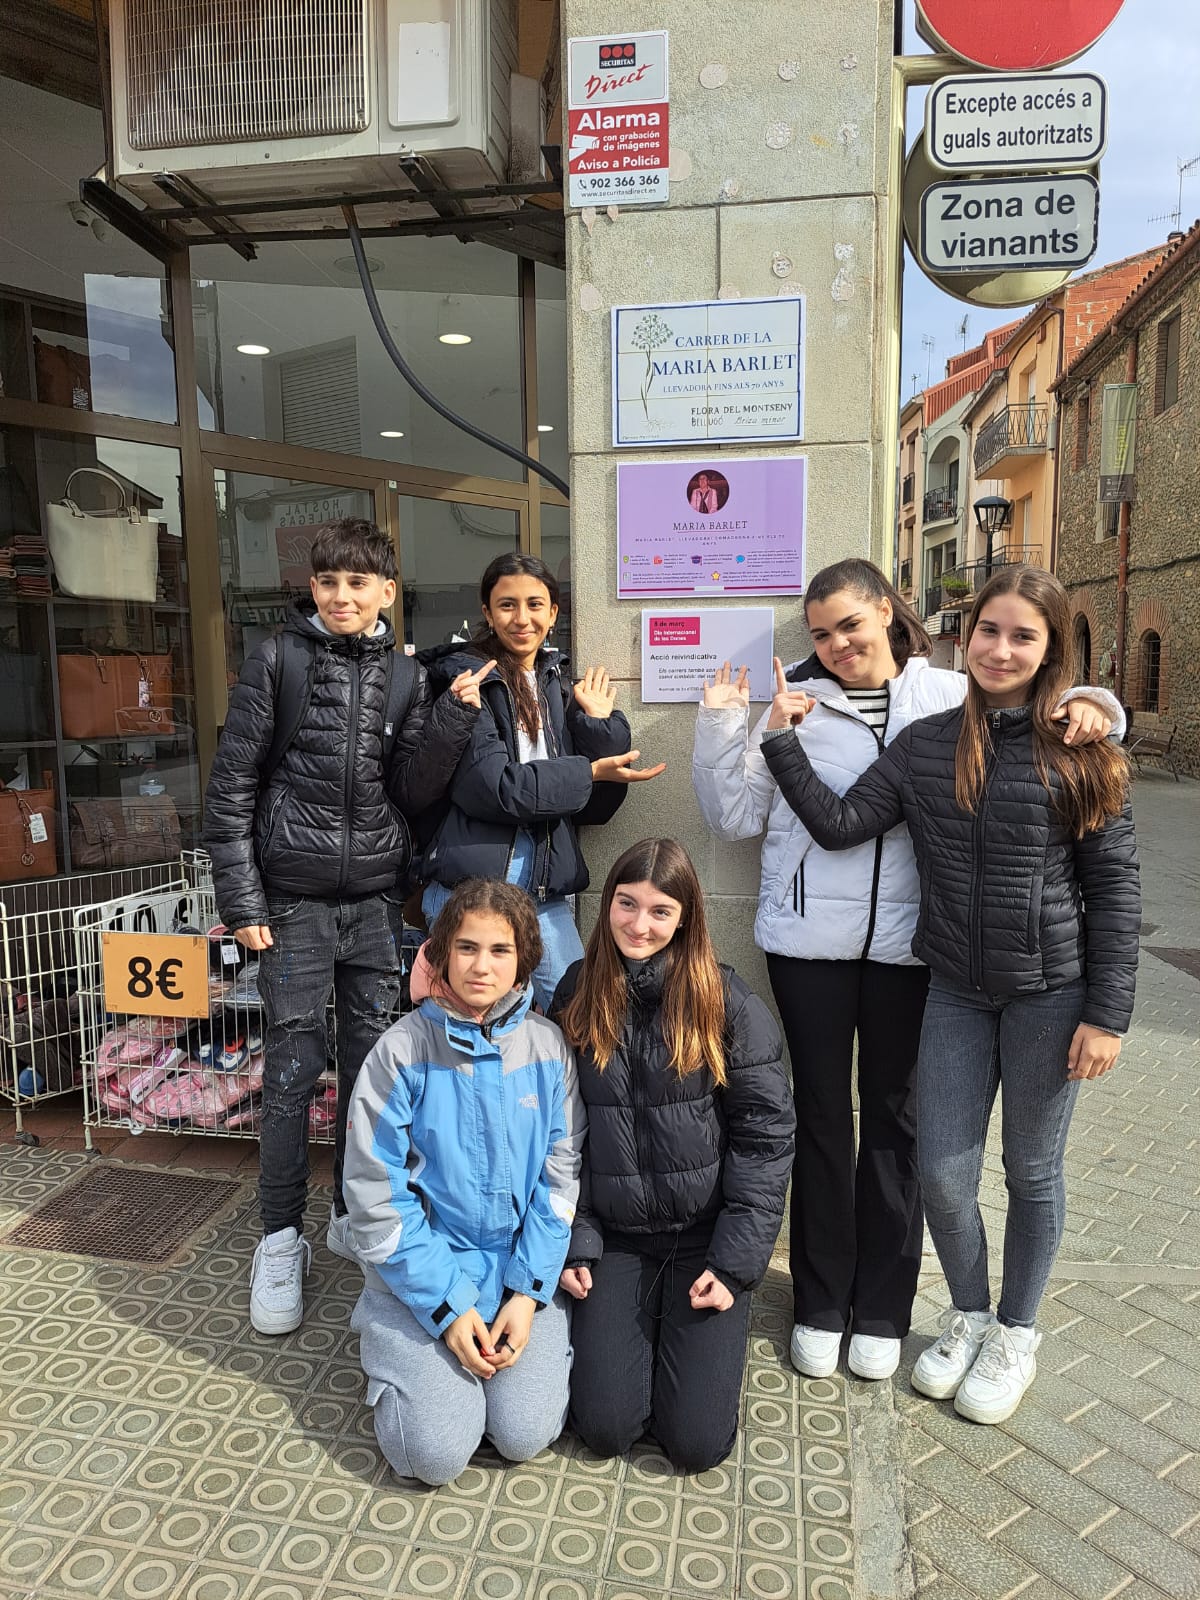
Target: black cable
{"x":410,"y":377}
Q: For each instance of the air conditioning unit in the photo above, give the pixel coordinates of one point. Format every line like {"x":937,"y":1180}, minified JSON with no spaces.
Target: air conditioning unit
{"x":271,"y":100}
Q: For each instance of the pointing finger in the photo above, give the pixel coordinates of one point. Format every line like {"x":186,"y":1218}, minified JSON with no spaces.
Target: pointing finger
{"x":780,"y":681}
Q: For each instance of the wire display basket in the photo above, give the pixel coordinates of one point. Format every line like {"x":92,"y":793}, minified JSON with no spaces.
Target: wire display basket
{"x":40,"y":1033}
{"x":198,"y":1075}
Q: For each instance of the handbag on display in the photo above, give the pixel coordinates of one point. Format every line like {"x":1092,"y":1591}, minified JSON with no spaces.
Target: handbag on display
{"x":102,"y":555}
{"x":115,"y":697}
{"x":137,"y":832}
{"x":27,"y":843}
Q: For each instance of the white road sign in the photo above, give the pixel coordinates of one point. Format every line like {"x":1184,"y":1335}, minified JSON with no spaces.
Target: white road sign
{"x":1016,"y":122}
{"x":1027,"y":224}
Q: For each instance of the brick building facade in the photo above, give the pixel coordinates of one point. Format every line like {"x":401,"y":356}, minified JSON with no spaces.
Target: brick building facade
{"x":1157,"y":672}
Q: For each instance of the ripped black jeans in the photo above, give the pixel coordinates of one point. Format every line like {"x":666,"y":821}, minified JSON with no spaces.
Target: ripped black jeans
{"x":343,"y":946}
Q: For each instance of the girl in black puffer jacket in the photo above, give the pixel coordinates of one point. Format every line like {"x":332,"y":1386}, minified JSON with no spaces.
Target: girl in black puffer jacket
{"x":691,"y":1132}
{"x":1029,"y":921}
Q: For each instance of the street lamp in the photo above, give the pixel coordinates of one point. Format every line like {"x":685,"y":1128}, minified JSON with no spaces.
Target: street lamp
{"x":992,"y":514}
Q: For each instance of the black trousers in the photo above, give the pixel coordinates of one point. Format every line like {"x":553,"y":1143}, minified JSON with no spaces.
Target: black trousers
{"x":645,"y":1362}
{"x":855,"y":1215}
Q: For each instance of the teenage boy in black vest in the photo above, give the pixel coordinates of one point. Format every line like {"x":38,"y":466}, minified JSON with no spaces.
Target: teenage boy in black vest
{"x":306,"y":842}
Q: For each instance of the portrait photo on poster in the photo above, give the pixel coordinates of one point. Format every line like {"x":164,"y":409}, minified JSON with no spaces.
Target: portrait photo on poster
{"x":708,"y":491}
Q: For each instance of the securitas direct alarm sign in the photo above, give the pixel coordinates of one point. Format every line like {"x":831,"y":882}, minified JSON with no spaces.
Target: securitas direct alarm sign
{"x":618,"y":148}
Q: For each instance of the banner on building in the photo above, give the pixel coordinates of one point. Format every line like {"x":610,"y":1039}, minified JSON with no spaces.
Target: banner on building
{"x":1118,"y":440}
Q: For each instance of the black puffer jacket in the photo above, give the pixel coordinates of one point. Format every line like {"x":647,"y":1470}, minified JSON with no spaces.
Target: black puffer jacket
{"x":327,"y":824}
{"x":666,"y":1154}
{"x":1010,"y":903}
{"x":493,"y":793}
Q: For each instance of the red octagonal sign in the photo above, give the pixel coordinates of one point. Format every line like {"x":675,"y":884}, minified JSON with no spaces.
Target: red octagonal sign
{"x":1014,"y":35}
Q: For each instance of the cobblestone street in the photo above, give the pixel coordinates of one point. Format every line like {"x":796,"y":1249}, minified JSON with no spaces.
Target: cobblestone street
{"x":153,"y":1446}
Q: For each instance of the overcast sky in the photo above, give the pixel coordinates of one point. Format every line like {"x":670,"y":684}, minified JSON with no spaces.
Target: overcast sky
{"x":1150,"y":59}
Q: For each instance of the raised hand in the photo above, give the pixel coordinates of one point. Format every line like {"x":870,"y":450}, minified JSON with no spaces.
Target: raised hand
{"x":466,"y":686}
{"x":594,"y":694}
{"x":790,"y":706}
{"x":620,"y":769}
{"x":726,"y":691}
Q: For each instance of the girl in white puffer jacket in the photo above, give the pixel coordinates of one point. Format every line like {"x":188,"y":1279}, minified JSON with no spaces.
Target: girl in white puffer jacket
{"x":837,"y":930}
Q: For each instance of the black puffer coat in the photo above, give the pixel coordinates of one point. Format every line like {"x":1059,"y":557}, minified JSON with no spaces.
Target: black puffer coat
{"x":666,"y":1154}
{"x":327,"y":824}
{"x":493,"y":792}
{"x":1010,"y":903}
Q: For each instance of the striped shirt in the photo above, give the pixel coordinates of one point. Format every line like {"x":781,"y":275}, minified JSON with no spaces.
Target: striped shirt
{"x":871,"y":705}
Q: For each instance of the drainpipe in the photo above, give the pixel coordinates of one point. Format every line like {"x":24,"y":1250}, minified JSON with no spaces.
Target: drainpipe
{"x":1052,"y":553}
{"x":1131,"y":361}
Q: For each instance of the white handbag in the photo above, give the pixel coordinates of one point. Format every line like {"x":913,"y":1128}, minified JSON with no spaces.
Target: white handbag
{"x":102,"y":555}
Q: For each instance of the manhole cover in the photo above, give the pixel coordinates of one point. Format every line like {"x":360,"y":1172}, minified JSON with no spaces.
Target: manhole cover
{"x":1186,"y":960}
{"x":124,"y":1214}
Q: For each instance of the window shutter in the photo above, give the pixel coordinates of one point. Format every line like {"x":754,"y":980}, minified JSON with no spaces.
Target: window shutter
{"x":318,"y":398}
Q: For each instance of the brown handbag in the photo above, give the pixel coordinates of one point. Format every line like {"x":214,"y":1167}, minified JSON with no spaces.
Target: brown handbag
{"x":115,"y":697}
{"x":27,"y":833}
{"x":136,"y":832}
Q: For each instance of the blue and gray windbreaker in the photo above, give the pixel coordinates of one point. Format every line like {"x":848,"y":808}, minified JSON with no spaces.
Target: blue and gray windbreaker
{"x":463,"y":1148}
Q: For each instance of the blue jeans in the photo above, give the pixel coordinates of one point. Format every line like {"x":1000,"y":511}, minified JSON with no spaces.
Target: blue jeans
{"x":971,"y":1045}
{"x":321,"y":946}
{"x":561,"y":944}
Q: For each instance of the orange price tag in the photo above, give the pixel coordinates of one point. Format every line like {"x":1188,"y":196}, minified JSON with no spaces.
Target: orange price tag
{"x":156,"y":974}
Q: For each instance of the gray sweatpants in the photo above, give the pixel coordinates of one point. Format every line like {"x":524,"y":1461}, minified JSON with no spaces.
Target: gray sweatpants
{"x":431,"y":1415}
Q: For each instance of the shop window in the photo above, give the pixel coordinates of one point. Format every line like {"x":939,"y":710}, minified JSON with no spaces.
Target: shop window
{"x":1083,"y":650}
{"x":1083,"y":415}
{"x":551,"y":287}
{"x":97,"y":710}
{"x":445,"y":545}
{"x":1150,"y":661}
{"x":556,"y":553}
{"x":257,"y":363}
{"x":1108,"y":519}
{"x":1166,"y":364}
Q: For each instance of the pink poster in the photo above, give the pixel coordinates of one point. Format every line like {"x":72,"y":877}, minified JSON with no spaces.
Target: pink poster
{"x":711,"y":527}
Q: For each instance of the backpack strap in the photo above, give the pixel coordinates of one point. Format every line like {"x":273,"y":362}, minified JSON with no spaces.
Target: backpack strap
{"x":292,"y":684}
{"x":399,"y":694}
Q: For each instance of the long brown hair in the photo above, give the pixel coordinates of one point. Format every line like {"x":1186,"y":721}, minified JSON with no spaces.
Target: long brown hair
{"x":693,"y":996}
{"x":489,"y":898}
{"x":489,"y":645}
{"x":1093,"y":780}
{"x":906,"y":632}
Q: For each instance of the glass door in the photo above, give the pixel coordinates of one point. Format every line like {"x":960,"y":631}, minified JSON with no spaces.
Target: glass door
{"x":266,"y":523}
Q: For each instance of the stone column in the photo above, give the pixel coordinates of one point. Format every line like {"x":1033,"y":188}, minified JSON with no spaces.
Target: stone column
{"x":780,"y":118}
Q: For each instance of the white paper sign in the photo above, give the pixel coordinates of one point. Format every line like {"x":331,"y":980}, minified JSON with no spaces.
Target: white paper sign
{"x":709,"y":371}
{"x":681,"y":648}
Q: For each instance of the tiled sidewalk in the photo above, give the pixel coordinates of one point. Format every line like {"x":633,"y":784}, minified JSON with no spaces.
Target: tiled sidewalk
{"x":153,"y":1447}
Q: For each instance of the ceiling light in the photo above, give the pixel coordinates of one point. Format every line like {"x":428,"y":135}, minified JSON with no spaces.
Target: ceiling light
{"x":545,"y":427}
{"x":454,"y":338}
{"x":254,"y":350}
{"x":390,"y":433}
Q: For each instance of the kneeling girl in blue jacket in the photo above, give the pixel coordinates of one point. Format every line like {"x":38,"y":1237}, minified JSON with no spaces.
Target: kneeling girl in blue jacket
{"x":462,"y":1172}
{"x":690,"y":1147}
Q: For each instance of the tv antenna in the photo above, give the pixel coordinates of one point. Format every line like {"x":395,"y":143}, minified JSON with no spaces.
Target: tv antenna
{"x":927,"y":344}
{"x":1176,"y":217}
{"x":962,"y":329}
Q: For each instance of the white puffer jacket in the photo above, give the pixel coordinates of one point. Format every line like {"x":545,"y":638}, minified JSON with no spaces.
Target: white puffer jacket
{"x":822,"y":905}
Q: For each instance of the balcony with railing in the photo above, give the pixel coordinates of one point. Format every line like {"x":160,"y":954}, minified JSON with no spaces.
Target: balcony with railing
{"x":961,"y":584}
{"x":1014,"y":432}
{"x":941,"y":505}
{"x":908,"y":488}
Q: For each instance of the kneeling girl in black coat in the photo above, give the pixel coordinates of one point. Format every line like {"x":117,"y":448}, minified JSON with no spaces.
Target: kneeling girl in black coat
{"x":686,"y":1169}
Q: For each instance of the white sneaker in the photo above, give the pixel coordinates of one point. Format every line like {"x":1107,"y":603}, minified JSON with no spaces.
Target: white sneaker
{"x":873,"y":1357}
{"x":941,"y":1368}
{"x":1004,"y":1368}
{"x":814,"y":1351}
{"x":276,"y":1279}
{"x":339,"y":1239}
